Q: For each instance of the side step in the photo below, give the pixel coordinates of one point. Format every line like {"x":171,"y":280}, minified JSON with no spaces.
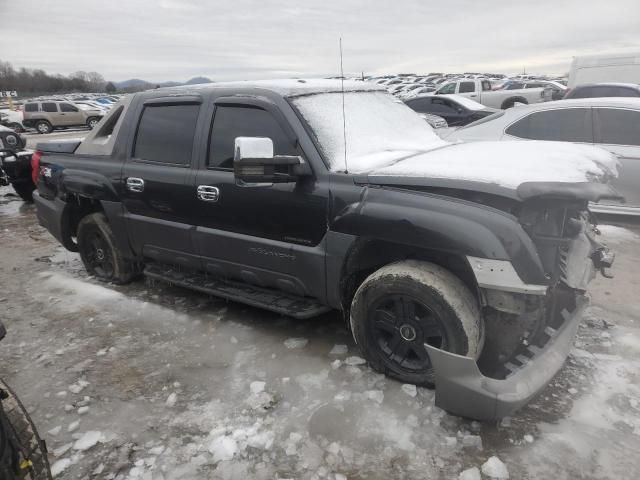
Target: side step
{"x":274,"y":300}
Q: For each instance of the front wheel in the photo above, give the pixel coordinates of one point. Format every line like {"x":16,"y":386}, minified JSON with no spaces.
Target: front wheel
{"x":99,"y":253}
{"x":406,"y":304}
{"x":92,"y":122}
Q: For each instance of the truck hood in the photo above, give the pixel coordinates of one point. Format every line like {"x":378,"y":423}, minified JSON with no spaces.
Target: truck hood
{"x":510,"y":168}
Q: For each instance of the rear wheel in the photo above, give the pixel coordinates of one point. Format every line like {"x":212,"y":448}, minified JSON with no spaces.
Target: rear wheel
{"x":43,"y":126}
{"x":406,"y":304}
{"x":92,"y":122}
{"x":99,"y":253}
{"x":25,"y":190}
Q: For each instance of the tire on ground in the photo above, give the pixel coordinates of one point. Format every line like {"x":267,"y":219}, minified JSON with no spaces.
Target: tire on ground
{"x":42,"y":126}
{"x":443,"y":293}
{"x":35,"y":450}
{"x":25,"y":190}
{"x":95,"y":226}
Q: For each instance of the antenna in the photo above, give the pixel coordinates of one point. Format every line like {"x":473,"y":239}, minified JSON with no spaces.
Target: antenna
{"x":344,"y":119}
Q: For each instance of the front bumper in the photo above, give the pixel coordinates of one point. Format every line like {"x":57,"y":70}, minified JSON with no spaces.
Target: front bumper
{"x":463,"y":390}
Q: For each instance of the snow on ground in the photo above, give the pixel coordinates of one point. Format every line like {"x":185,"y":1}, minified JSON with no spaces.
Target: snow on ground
{"x":176,"y":385}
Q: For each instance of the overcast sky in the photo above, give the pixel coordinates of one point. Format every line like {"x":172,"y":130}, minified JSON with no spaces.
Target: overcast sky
{"x":160,"y":40}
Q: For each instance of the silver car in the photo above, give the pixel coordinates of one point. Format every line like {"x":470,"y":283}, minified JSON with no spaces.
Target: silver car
{"x":611,"y":123}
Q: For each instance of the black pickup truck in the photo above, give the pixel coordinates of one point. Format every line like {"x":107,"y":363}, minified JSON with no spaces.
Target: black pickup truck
{"x":15,"y":163}
{"x":461,"y":266}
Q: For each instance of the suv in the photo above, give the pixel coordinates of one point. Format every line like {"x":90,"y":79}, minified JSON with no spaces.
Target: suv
{"x":45,"y":116}
{"x":594,"y":90}
{"x":464,"y":266}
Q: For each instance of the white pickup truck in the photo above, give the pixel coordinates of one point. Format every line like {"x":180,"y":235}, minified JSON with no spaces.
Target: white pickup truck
{"x":480,"y":91}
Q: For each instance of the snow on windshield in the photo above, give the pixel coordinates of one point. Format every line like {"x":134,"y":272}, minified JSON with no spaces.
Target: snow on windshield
{"x":379,"y":129}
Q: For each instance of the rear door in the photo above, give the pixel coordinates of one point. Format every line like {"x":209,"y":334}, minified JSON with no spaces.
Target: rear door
{"x":157,"y":180}
{"x":618,"y":130}
{"x":268,"y":235}
{"x":70,"y":114}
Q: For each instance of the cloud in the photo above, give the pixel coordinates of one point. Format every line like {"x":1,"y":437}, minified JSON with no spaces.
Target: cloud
{"x":245,"y":39}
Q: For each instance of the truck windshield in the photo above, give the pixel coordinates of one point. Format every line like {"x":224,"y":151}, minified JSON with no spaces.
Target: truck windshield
{"x":378,"y":129}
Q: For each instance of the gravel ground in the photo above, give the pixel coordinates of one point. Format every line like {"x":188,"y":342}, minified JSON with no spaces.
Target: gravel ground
{"x":153,"y":382}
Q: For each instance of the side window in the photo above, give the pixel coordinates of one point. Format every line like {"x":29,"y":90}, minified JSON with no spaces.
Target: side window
{"x":49,"y":107}
{"x":625,"y":92}
{"x":448,"y":88}
{"x":567,"y":125}
{"x":467,"y":87}
{"x":165,"y":133}
{"x":230,"y":122}
{"x":486,"y":86}
{"x":421,"y":105}
{"x":617,"y":126}
{"x":31,"y":107}
{"x":67,"y":107}
{"x":440,"y":105}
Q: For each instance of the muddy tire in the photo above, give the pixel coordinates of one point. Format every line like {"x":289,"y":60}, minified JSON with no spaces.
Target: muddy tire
{"x":43,"y":127}
{"x":25,"y":190}
{"x":406,"y":304}
{"x":33,"y":454}
{"x":99,"y":253}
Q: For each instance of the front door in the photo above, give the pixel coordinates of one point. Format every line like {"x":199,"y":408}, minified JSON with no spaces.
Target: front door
{"x":157,"y":183}
{"x":618,"y":130}
{"x":269,"y":235}
{"x":70,"y":114}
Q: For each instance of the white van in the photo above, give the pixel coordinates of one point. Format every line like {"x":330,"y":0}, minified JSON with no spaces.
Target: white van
{"x":605,"y":68}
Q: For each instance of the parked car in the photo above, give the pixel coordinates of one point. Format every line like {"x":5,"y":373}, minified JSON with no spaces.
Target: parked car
{"x":45,"y":116}
{"x":12,"y":119}
{"x":15,"y":164}
{"x":609,"y":123}
{"x":595,"y":90}
{"x":624,"y":67}
{"x":436,"y":254}
{"x":455,"y":109}
{"x":480,"y":91}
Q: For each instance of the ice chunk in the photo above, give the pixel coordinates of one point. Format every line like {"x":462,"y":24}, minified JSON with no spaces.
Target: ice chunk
{"x":223,"y":448}
{"x":88,"y":440}
{"x":470,"y":474}
{"x":58,"y":452}
{"x":472,"y":441}
{"x":450,"y":441}
{"x":60,"y":466}
{"x":257,"y":387}
{"x":375,"y":395}
{"x":171,"y":400}
{"x":339,"y":349}
{"x":528,"y":438}
{"x":73,"y":426}
{"x":336,"y":364}
{"x":409,"y":389}
{"x":295,"y":342}
{"x":83,"y":410}
{"x":340,"y":476}
{"x":494,"y":468}
{"x":353,"y":361}
{"x":156,"y":450}
{"x":55,"y":431}
{"x":262,"y":440}
{"x":78,"y":386}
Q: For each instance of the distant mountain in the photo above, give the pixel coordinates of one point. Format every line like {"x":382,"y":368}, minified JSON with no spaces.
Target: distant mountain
{"x":138,"y":84}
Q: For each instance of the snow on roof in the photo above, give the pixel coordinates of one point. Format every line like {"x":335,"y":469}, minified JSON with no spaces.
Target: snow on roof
{"x":465,"y":102}
{"x":508,"y":164}
{"x":633,"y":102}
{"x":287,"y":87}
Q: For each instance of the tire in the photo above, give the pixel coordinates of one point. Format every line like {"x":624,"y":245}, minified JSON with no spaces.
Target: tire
{"x":42,"y":126}
{"x":92,"y":122}
{"x":405,"y":304}
{"x":14,"y":419}
{"x":25,"y":190}
{"x":99,"y":253}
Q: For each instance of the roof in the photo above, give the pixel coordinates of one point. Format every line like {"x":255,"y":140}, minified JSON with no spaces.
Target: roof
{"x":633,"y":102}
{"x":608,"y":84}
{"x":285,"y":87}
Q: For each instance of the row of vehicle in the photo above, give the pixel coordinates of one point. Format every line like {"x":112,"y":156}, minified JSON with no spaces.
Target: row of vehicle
{"x":443,"y":258}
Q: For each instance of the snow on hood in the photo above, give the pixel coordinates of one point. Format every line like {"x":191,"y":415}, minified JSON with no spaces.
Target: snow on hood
{"x":507,"y":164}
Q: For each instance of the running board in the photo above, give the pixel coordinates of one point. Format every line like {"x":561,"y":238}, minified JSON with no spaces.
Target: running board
{"x":273,"y":300}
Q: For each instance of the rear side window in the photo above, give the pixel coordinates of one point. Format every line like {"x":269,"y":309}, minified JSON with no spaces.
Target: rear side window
{"x":467,"y":87}
{"x":442,"y":105}
{"x":165,"y":134}
{"x":67,"y":107}
{"x":626,"y":92}
{"x":230,"y":122}
{"x":617,"y":126}
{"x":566,"y":125}
{"x":31,"y":107}
{"x":421,"y":105}
{"x":49,"y":107}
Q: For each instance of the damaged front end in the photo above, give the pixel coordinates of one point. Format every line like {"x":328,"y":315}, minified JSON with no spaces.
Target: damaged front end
{"x":529,"y":328}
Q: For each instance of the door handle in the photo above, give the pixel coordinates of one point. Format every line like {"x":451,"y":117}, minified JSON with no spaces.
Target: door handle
{"x":135,"y":184}
{"x":207,"y":193}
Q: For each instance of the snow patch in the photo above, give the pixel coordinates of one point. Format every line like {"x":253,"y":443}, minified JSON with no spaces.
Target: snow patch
{"x":88,"y":440}
{"x":292,"y":343}
{"x":494,"y":468}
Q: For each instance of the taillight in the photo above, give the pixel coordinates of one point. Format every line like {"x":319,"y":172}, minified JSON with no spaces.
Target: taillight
{"x":35,"y":166}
